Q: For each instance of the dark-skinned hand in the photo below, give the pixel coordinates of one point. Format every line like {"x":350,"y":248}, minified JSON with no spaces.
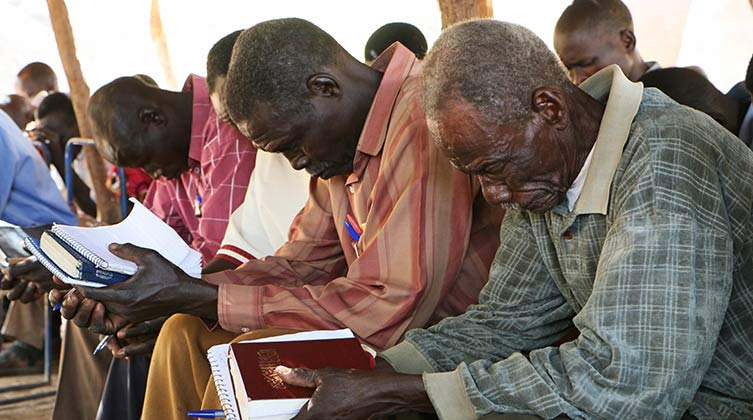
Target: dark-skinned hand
{"x":27,"y":279}
{"x":159,"y":288}
{"x":137,"y":339}
{"x":87,"y":313}
{"x":349,"y":394}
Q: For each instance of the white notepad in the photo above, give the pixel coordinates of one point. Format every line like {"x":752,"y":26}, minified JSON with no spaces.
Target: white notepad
{"x":141,"y":228}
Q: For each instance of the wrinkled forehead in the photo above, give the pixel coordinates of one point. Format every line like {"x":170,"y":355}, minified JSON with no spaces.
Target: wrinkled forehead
{"x":462,"y":132}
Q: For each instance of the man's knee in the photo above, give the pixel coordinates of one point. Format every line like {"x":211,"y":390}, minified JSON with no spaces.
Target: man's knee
{"x":180,"y":329}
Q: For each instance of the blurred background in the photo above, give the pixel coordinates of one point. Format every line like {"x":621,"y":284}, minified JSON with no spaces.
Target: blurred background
{"x":113,"y":36}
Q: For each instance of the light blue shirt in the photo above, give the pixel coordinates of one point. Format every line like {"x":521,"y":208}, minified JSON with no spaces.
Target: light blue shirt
{"x":28,"y":195}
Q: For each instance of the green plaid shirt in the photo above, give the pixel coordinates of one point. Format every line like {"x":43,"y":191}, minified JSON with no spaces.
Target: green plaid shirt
{"x":654,"y":267}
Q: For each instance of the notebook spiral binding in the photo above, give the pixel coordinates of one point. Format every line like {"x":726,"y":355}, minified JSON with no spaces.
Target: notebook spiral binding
{"x":51,"y":267}
{"x":226,"y":400}
{"x":86,"y":253}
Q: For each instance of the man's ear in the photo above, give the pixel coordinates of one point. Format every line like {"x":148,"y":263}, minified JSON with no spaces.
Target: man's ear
{"x":627,"y":38}
{"x":323,"y":85}
{"x":150,"y":116}
{"x":548,"y":104}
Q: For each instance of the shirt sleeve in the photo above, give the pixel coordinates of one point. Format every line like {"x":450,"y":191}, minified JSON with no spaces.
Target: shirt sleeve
{"x":520,"y":309}
{"x":647,"y":333}
{"x":410,"y":246}
{"x":7,"y":170}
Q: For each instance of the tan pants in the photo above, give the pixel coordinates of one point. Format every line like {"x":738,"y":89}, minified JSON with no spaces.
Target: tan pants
{"x":179,"y":376}
{"x":25,"y":322}
{"x":81,"y":375}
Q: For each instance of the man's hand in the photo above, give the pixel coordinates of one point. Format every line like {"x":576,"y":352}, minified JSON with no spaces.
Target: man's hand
{"x":349,"y":394}
{"x":27,"y":279}
{"x":158,"y":289}
{"x":136,"y":340}
{"x":87,"y":313}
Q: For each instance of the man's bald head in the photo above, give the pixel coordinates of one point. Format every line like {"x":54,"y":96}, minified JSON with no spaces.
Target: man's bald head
{"x":34,"y":78}
{"x":593,"y":34}
{"x":139,"y":125}
{"x":749,"y":76}
{"x":18,"y":108}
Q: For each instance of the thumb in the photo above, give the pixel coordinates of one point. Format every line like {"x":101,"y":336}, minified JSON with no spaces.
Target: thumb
{"x":102,"y":294}
{"x":298,"y":376}
{"x":129,"y":252}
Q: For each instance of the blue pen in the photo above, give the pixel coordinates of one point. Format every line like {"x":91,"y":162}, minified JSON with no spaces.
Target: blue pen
{"x":197,"y":203}
{"x":60,"y":302}
{"x":102,"y":344}
{"x":353,"y":233}
{"x":207,"y":414}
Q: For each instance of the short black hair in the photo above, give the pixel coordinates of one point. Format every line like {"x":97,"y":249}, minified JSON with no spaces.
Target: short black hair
{"x":146,"y":79}
{"x":41,"y":73}
{"x":271,"y":64}
{"x":405,"y":33}
{"x":598,"y":15}
{"x":218,"y":59}
{"x":57,"y":102}
{"x":690,"y":88}
{"x":749,"y":76}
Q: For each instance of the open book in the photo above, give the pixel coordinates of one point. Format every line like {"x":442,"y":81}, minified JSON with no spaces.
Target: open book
{"x":244,"y":374}
{"x":80,"y":255}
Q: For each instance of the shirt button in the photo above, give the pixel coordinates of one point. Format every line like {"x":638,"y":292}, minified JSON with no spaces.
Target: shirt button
{"x":245,"y":330}
{"x":196,"y":170}
{"x":568,"y":235}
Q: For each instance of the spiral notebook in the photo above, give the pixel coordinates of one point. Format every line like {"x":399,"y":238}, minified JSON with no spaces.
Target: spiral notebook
{"x":74,"y":250}
{"x":265,"y":409}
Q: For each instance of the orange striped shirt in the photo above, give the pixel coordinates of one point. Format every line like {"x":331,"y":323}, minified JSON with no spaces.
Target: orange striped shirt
{"x":427,"y":243}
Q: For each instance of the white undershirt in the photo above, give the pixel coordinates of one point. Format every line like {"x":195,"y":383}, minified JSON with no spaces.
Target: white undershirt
{"x":574,"y":192}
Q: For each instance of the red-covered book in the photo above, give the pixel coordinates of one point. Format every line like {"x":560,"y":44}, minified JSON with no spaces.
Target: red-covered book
{"x":261,"y":393}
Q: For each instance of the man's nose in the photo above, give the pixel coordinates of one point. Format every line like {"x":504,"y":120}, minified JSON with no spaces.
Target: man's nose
{"x":495,"y":193}
{"x":298,"y":162}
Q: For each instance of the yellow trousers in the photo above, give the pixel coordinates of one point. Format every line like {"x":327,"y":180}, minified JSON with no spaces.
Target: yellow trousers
{"x":179,"y":376}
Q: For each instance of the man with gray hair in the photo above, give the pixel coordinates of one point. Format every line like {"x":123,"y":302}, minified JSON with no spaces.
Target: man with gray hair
{"x":631,"y":223}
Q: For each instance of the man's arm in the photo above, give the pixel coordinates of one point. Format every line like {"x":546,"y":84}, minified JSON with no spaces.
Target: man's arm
{"x":647,"y":333}
{"x":414,"y":241}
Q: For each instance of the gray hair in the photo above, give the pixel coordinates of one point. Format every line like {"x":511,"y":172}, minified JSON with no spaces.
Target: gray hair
{"x":496,"y":66}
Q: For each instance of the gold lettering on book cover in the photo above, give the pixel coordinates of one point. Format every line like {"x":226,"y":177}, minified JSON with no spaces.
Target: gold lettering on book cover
{"x":268,"y":361}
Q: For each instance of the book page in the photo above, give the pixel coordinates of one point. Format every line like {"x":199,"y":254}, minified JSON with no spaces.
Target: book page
{"x":141,"y":228}
{"x":306,"y":336}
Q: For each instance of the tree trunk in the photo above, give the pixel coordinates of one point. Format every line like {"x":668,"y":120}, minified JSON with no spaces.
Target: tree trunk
{"x":454,"y":11}
{"x":160,"y":41}
{"x":108,"y":210}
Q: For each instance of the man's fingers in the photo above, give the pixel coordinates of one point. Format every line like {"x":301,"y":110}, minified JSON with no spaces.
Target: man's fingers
{"x":137,"y":349}
{"x":18,"y":289}
{"x":102,"y":294}
{"x":129,"y":252}
{"x":31,"y":293}
{"x":142,"y":328}
{"x":24,"y":266}
{"x":84,"y":313}
{"x":69,"y":305}
{"x":298,"y":376}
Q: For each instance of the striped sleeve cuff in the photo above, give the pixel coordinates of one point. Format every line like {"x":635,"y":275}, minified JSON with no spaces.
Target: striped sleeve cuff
{"x":446,"y":391}
{"x":234,"y":254}
{"x":405,"y":358}
{"x":239,"y":307}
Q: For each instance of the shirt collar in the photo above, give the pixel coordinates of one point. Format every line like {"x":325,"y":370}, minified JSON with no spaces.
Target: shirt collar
{"x":573,"y":193}
{"x":623,"y":98}
{"x":202,"y":107}
{"x":396,"y":62}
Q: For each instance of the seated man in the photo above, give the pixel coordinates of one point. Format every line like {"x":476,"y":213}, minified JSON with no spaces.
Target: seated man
{"x":55,"y":125}
{"x":35,"y":81}
{"x":255,"y":229}
{"x":631,"y":220}
{"x":404,"y":33}
{"x":18,"y":108}
{"x":28,"y":197}
{"x":201,"y":167}
{"x":692,"y":89}
{"x":426,"y":240}
{"x":593,"y":34}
